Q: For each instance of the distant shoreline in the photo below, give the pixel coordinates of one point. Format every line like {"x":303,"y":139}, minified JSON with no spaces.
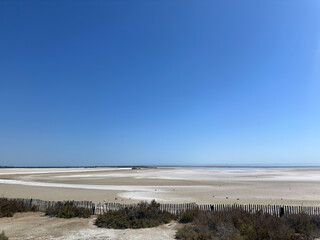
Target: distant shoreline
{"x":167,"y":166}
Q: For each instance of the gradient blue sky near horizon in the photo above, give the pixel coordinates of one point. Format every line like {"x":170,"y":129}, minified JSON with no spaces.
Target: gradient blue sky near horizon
{"x":116,"y":82}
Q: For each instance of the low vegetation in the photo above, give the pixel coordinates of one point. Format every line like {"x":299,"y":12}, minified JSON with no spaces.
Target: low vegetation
{"x":189,"y":215}
{"x":3,"y":236}
{"x":67,"y":210}
{"x":235,"y":224}
{"x":142,"y":216}
{"x":8,"y":207}
{"x":241,"y":225}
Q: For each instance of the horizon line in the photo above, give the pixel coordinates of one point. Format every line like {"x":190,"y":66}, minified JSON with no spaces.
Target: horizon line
{"x":152,"y":166}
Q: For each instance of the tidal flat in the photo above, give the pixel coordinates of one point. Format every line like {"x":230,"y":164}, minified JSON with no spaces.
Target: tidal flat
{"x":292,"y":186}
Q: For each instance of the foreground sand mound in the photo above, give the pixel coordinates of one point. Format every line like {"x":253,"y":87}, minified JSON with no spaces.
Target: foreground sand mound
{"x":39,"y":227}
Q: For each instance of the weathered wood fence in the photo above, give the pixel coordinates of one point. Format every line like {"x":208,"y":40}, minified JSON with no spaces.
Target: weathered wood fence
{"x":100,"y":208}
{"x":43,"y":205}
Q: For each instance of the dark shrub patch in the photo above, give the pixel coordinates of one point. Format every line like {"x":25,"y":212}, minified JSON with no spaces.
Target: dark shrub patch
{"x":188,"y":215}
{"x":8,"y":207}
{"x":143,"y":216}
{"x":3,"y":236}
{"x":238,"y":224}
{"x":187,"y":233}
{"x":67,"y":210}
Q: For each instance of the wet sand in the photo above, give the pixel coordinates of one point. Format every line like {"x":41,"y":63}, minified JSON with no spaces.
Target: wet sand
{"x":174,"y":185}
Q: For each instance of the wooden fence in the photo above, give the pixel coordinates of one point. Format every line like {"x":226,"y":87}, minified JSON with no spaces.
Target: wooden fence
{"x":43,"y":205}
{"x":100,"y":208}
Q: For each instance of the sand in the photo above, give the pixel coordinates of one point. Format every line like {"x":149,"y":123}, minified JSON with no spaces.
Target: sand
{"x":124,"y":185}
{"x":35,"y":226}
{"x":174,"y":185}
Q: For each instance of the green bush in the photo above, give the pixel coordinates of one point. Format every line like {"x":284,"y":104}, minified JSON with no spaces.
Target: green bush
{"x":67,"y":210}
{"x":241,"y":225}
{"x":188,"y":233}
{"x":8,"y":207}
{"x":143,"y":216}
{"x":3,"y":236}
{"x":188,"y":215}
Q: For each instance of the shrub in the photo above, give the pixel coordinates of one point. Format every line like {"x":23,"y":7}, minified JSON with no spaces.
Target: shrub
{"x":143,"y":216}
{"x":239,"y":224}
{"x":3,"y":236}
{"x":8,"y":207}
{"x":188,"y":215}
{"x":187,"y":233}
{"x":67,"y":210}
{"x":303,"y":224}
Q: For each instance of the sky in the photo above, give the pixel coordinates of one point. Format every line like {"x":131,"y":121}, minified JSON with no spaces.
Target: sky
{"x":161,"y":82}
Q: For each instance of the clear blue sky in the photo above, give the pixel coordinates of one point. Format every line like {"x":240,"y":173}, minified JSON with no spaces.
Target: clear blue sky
{"x":159,"y":82}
